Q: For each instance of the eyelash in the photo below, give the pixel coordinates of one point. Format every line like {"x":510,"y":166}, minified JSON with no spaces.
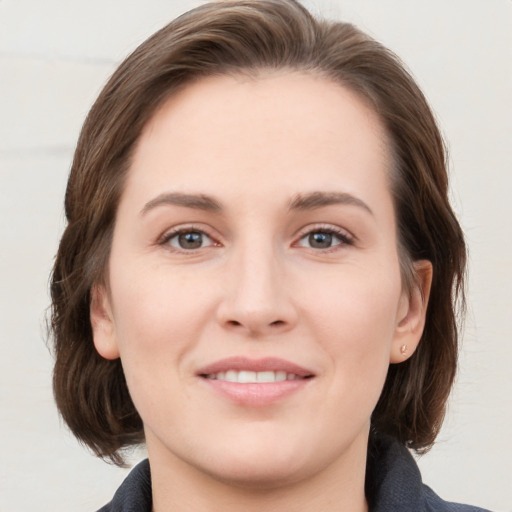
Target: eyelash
{"x":169,"y":235}
{"x":344,"y":238}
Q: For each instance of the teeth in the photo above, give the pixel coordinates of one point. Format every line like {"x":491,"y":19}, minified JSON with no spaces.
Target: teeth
{"x":231,"y":376}
{"x":248,"y":377}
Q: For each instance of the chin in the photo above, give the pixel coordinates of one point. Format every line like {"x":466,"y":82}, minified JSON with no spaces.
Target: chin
{"x":258,"y":473}
{"x":265,"y":459}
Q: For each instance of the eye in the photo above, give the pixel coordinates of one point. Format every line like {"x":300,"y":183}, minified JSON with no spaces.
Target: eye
{"x":188,"y":240}
{"x":324,"y":239}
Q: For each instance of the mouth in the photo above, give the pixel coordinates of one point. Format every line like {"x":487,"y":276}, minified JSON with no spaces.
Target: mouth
{"x":248,"y":377}
{"x":245,"y":370}
{"x":255,"y":382}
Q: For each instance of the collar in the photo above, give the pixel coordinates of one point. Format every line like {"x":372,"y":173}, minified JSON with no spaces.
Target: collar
{"x":393,"y":484}
{"x":393,"y":479}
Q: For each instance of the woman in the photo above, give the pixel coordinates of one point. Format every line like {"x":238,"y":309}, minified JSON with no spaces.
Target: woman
{"x":260,"y":269}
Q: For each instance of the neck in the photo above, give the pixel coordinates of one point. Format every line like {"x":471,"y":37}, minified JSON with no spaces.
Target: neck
{"x":181,"y":487}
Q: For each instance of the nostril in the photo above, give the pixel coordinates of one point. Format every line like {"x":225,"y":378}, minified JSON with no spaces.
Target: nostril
{"x":236,"y":323}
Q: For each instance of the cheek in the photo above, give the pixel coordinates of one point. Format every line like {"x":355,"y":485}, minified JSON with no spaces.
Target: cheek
{"x":158,"y":314}
{"x":159,"y":319}
{"x":354,"y":319}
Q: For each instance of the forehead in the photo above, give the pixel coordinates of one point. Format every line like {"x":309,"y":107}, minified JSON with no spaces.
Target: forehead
{"x":282,"y":129}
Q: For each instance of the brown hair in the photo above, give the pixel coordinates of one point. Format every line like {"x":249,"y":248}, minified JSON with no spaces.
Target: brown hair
{"x":233,"y":37}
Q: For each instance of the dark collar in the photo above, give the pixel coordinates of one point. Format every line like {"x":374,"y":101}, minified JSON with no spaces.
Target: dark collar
{"x":393,"y":480}
{"x":134,"y":494}
{"x":393,"y":484}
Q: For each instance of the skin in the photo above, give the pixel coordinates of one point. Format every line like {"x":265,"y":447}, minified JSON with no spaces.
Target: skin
{"x":257,"y":287}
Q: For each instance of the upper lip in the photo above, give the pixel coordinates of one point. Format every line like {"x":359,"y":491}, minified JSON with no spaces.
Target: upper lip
{"x":240,"y":363}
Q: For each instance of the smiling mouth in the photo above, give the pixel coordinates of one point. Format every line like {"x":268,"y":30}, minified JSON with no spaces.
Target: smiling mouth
{"x":243,"y":370}
{"x":257,"y":383}
{"x":252,"y":377}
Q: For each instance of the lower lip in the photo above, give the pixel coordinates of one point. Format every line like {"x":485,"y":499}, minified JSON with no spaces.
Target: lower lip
{"x":256,"y":394}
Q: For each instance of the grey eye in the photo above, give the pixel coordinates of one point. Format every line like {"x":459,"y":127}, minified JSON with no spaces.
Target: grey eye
{"x":323,"y":239}
{"x":189,"y":240}
{"x":320,"y":240}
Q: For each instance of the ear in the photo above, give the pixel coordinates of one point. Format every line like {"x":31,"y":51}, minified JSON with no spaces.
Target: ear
{"x":102,"y":323}
{"x":412,"y":313}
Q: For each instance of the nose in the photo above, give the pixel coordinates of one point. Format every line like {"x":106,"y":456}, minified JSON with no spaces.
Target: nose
{"x":256,"y":299}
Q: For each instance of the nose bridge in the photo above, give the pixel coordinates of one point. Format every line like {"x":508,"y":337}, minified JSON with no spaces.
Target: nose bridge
{"x":258,"y":283}
{"x":256,"y":298}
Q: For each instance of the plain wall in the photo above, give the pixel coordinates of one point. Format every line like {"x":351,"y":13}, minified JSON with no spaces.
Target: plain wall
{"x":54,"y":57}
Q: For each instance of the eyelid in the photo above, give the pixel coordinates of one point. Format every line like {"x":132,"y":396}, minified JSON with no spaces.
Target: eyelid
{"x":345,"y":236}
{"x":168,"y":234}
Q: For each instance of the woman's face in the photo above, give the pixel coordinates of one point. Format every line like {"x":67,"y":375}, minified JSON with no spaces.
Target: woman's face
{"x":254,"y":291}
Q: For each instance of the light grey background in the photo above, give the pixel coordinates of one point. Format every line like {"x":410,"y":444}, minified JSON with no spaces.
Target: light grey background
{"x":54,"y":57}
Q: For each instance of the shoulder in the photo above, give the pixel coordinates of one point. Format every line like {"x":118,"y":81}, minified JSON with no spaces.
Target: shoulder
{"x":394,"y":484}
{"x":433,"y":503}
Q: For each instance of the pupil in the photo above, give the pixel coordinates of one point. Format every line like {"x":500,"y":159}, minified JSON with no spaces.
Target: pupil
{"x":190,"y":240}
{"x":320,"y":240}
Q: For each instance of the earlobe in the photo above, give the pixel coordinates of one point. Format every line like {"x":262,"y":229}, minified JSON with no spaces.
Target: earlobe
{"x":412,"y":313}
{"x":102,"y":323}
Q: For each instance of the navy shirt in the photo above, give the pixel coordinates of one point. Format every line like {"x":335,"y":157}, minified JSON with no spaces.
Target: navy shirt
{"x":393,"y":484}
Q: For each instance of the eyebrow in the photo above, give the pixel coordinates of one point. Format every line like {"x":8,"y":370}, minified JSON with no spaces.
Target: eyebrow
{"x":309,"y":201}
{"x":315,"y":200}
{"x":197,"y":201}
